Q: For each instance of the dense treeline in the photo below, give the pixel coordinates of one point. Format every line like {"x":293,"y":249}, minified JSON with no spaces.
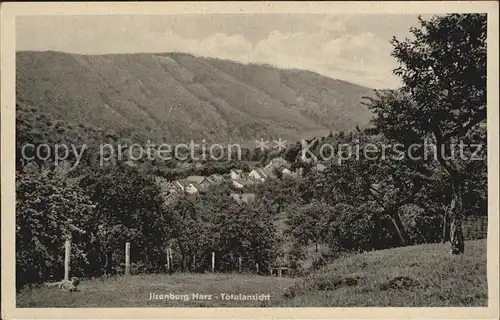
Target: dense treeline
{"x":101,"y":210}
{"x":367,"y":204}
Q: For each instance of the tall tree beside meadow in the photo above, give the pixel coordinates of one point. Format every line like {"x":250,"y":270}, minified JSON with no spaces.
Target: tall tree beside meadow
{"x":49,"y":209}
{"x":442,"y":100}
{"x":128,"y":209}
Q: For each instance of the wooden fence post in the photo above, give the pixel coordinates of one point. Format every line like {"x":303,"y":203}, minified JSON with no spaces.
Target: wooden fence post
{"x":127,"y":258}
{"x":239,"y":264}
{"x":171,"y":259}
{"x":484,"y":228}
{"x":213,"y":261}
{"x":67,"y":258}
{"x":168,"y":259}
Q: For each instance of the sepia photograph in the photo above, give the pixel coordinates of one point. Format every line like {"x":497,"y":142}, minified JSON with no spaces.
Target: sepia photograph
{"x":250,"y":156}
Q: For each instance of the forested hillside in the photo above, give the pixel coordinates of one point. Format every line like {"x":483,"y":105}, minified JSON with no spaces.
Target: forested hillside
{"x":178,"y":97}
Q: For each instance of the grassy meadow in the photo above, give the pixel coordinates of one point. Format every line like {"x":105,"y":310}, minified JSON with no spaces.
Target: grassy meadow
{"x":416,"y":276}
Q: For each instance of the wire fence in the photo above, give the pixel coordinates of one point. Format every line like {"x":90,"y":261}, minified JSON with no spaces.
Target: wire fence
{"x":475,"y":227}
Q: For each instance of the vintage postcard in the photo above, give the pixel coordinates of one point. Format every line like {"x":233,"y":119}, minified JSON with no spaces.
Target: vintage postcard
{"x":255,"y":160}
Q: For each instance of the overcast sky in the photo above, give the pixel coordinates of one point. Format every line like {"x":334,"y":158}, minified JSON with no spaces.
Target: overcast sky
{"x":354,"y":48}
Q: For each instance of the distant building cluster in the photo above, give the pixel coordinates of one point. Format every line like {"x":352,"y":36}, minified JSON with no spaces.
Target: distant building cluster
{"x":277,"y":168}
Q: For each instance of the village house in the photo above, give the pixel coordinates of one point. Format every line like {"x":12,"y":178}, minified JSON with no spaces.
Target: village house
{"x":271,"y":172}
{"x":164,"y":185}
{"x":278,"y":163}
{"x":243,"y":197}
{"x":179,"y":185}
{"x":236,"y":174}
{"x":257,"y":175}
{"x":240,"y":184}
{"x":171,"y":188}
{"x":186,"y":187}
{"x":200,"y":182}
{"x":216,"y":179}
{"x":288,"y":174}
{"x":274,"y":169}
{"x":172,"y":196}
{"x":169,"y":191}
{"x":191,"y":187}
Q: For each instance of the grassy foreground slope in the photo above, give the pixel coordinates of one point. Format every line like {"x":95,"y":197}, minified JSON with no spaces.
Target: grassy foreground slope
{"x":417,"y":276}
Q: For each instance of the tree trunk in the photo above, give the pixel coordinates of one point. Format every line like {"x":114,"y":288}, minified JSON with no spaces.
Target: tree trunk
{"x":396,"y":221}
{"x":183,"y":259}
{"x":108,"y":267}
{"x":400,"y":229}
{"x":456,"y":206}
{"x":377,"y":227}
{"x":456,"y":212}
{"x":444,"y":237}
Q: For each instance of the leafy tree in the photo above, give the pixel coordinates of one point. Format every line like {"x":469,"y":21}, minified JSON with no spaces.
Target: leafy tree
{"x":280,"y":193}
{"x":309,"y":224}
{"x":49,"y":209}
{"x":443,"y":98}
{"x":233,"y":230}
{"x":351,"y":228}
{"x":359,"y":179}
{"x":129,"y":208}
{"x":184,"y":217}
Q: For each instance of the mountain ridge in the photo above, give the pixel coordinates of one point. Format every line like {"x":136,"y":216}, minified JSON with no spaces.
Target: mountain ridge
{"x":179,"y":97}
